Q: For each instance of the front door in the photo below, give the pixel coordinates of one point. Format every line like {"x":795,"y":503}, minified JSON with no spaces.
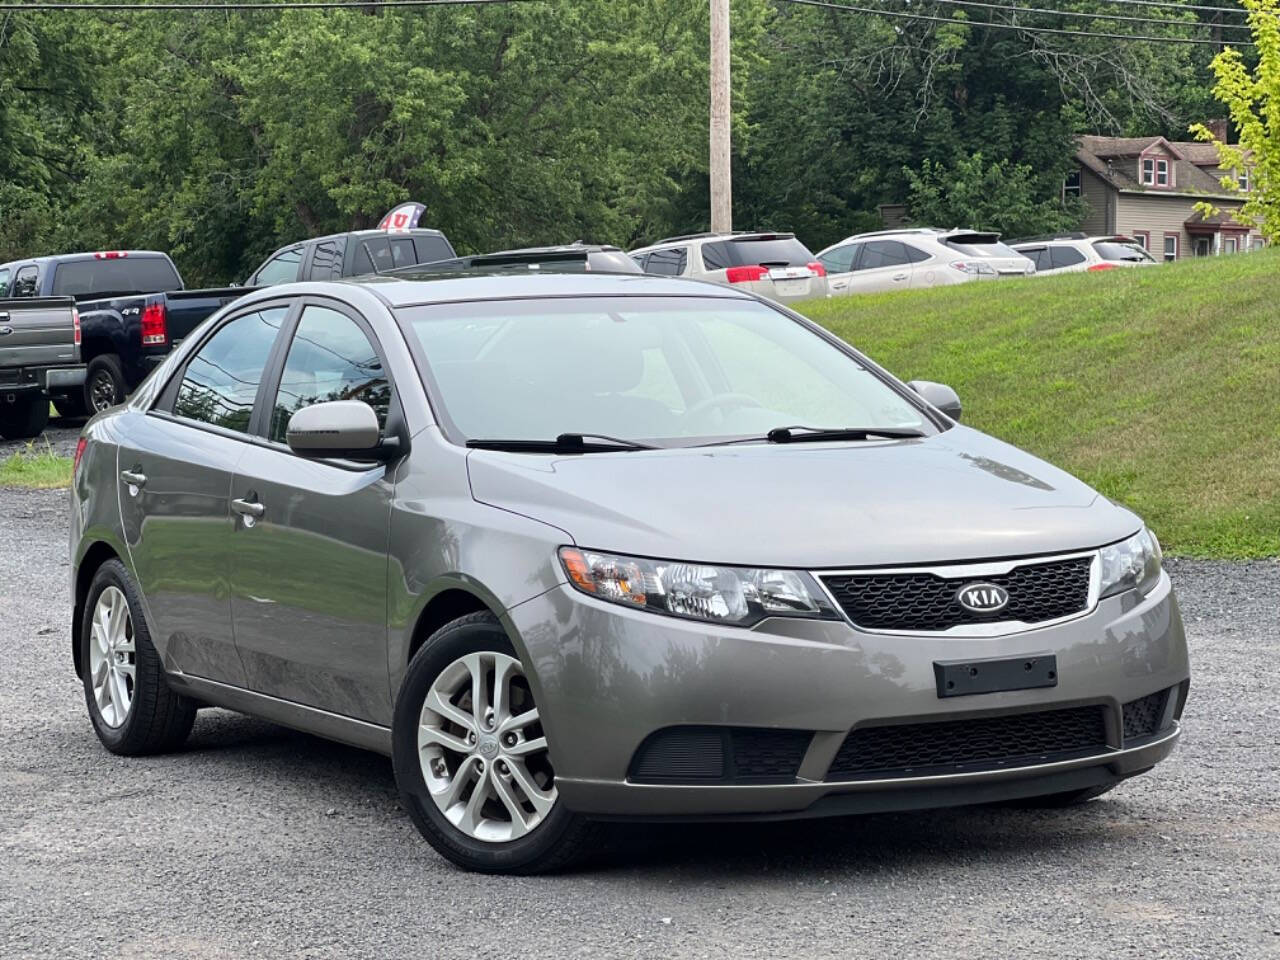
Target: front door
{"x":882,"y":265}
{"x":309,"y":548}
{"x":175,"y":467}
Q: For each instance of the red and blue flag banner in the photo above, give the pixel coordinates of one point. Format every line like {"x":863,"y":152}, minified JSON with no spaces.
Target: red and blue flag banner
{"x":403,"y":218}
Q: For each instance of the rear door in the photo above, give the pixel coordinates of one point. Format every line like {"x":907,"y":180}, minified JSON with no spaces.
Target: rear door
{"x":882,"y":265}
{"x":309,"y":548}
{"x":175,"y":463}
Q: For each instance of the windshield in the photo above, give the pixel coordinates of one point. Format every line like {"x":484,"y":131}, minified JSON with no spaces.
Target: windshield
{"x":1121,"y":251}
{"x":671,"y":371}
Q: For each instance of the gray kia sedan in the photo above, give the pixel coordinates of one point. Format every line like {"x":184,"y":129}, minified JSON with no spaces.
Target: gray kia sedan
{"x":584,"y":547}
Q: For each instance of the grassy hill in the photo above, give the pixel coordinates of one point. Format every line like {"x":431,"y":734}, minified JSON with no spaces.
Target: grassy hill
{"x":1160,"y":386}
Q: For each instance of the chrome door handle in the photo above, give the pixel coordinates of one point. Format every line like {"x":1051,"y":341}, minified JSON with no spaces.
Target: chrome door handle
{"x":133,"y":478}
{"x":900,"y":276}
{"x":249,"y":508}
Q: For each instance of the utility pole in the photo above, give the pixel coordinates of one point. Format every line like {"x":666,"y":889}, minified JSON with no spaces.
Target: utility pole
{"x":721,"y":176}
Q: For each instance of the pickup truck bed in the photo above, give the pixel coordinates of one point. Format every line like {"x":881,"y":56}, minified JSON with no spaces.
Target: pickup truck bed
{"x":39,"y":358}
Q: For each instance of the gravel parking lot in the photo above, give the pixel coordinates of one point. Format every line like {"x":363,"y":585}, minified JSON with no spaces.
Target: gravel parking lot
{"x":258,"y":841}
{"x":60,"y":435}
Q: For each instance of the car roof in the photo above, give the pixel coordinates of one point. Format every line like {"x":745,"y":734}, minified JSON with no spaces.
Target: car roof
{"x":83,"y":255}
{"x":410,"y":290}
{"x":708,"y":237}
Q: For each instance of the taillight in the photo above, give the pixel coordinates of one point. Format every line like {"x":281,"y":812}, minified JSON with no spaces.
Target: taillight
{"x":1101,"y":266}
{"x":818,"y":269}
{"x":746,"y":274}
{"x":75,"y":323}
{"x":75,"y":463}
{"x":155,"y":330}
{"x":111,"y":254}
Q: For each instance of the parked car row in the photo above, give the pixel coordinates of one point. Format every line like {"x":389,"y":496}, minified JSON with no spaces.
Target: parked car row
{"x":125,"y":310}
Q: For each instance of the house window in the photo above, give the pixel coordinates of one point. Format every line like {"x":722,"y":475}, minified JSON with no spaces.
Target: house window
{"x":1229,"y":245}
{"x":1071,"y":185}
{"x":1162,"y":173}
{"x":1143,"y":238}
{"x":1148,"y":171}
{"x":1242,"y":179}
{"x":1203,"y":246}
{"x":1170,"y":247}
{"x":1256,"y":243}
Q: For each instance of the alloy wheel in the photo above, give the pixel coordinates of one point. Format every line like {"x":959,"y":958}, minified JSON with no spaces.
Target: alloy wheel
{"x":102,"y":391}
{"x":482,"y":749}
{"x":112,"y":657}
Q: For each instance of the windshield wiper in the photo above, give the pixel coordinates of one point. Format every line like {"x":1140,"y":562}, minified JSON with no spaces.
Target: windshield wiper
{"x":564,"y":443}
{"x":801,"y":434}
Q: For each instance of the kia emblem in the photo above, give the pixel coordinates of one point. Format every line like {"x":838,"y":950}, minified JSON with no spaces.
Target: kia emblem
{"x":982,"y":597}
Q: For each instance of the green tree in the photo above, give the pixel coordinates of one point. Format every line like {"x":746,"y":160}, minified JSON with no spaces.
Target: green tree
{"x":1000,"y":195}
{"x":1252,"y":98}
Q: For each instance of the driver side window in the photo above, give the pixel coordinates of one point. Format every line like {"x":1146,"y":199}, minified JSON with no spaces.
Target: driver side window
{"x":330,"y":359}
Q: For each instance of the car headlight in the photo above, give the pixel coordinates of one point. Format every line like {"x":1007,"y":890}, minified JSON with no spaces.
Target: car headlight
{"x":1132,"y":564}
{"x":741,"y":596}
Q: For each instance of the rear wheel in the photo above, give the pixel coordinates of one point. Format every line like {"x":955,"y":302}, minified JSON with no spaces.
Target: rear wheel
{"x":132,"y":708}
{"x":471,"y":757}
{"x":25,"y":418}
{"x":104,"y":385}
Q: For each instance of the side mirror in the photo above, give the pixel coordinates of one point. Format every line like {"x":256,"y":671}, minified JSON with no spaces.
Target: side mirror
{"x":938,"y":395}
{"x":346,"y":429}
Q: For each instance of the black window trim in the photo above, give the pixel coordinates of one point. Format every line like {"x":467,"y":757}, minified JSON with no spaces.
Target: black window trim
{"x":162,"y":404}
{"x":260,"y":422}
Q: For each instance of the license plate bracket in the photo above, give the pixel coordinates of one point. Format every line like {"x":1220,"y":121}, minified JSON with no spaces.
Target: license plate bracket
{"x":962,"y":678}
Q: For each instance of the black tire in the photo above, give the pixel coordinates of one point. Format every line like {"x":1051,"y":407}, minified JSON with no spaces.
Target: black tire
{"x":104,"y":385}
{"x":1069,"y":798}
{"x":72,"y":407}
{"x":24,"y":418}
{"x":159,"y":719}
{"x":561,"y":839}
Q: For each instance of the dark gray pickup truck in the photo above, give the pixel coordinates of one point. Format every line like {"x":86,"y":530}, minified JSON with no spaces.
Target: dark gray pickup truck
{"x":39,"y":361}
{"x":133,"y":309}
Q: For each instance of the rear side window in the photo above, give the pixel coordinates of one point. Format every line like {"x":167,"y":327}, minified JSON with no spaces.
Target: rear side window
{"x":330,"y":359}
{"x":668,"y":263}
{"x":883,"y":253}
{"x":840,"y":260}
{"x":220,"y":383}
{"x":4,"y":282}
{"x":716,"y":256}
{"x":1065,"y":257}
{"x":326,"y":262}
{"x":429,"y":249}
{"x":123,"y":275}
{"x":612,"y":261}
{"x":1037,"y":255}
{"x":915,"y":254}
{"x":24,"y":284}
{"x":282,"y":268}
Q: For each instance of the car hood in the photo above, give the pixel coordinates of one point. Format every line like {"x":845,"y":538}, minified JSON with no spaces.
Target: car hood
{"x":958,"y":495}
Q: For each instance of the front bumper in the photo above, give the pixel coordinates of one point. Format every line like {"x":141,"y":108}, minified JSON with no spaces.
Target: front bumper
{"x":605,"y":678}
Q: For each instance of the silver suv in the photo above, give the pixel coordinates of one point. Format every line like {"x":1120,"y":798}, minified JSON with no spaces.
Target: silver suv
{"x":774,"y":265}
{"x":920,"y":257}
{"x":1079,"y":252}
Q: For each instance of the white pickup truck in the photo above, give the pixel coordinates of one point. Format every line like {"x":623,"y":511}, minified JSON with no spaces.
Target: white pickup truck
{"x":39,"y":361}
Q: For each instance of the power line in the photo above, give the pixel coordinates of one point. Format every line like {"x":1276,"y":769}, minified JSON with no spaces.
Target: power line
{"x":1173,"y":4}
{"x":1013,"y":26}
{"x":1097,"y":16}
{"x":41,"y":7}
